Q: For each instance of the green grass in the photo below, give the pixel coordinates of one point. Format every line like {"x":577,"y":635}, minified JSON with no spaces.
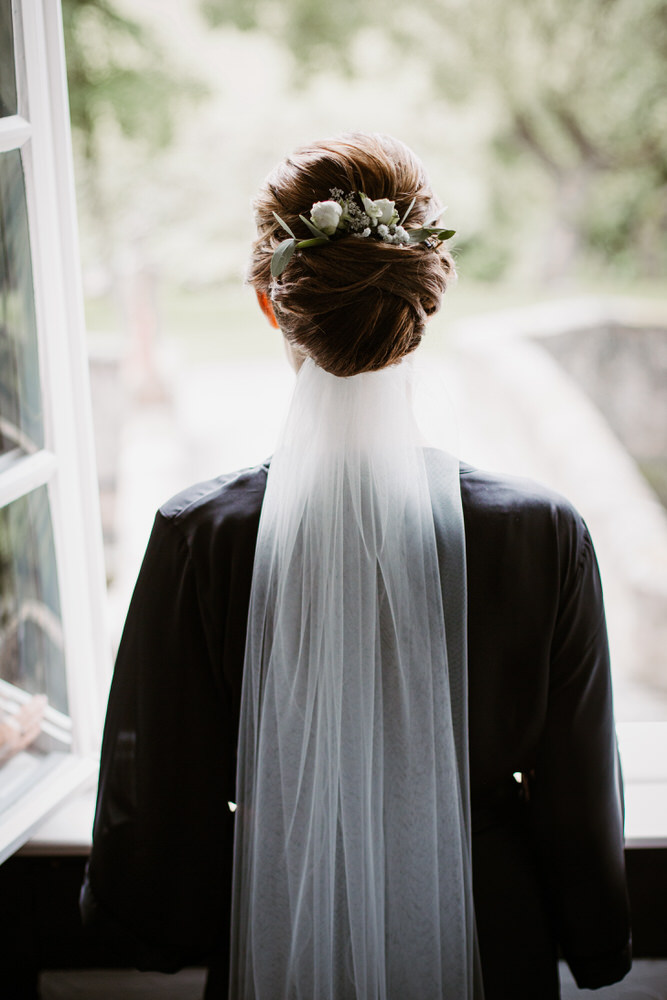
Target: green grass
{"x":208,"y":324}
{"x":223,"y":322}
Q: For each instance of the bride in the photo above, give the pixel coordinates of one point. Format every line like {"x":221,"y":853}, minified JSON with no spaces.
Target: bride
{"x":358,"y":645}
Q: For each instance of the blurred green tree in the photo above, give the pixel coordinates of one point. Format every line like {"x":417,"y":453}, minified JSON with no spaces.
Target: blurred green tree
{"x":119,"y":80}
{"x":577,"y":89}
{"x":115,"y":69}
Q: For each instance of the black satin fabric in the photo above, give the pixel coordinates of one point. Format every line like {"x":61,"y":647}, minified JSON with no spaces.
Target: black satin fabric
{"x":548,"y":863}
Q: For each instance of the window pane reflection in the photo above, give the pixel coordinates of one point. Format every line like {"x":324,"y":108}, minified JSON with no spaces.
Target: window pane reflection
{"x":7,"y":76}
{"x":32,"y":660}
{"x":21,"y":424}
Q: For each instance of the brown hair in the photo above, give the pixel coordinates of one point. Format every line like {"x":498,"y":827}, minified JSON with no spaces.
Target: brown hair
{"x":353,"y":305}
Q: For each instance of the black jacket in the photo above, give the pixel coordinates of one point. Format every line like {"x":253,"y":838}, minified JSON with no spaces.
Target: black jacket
{"x":548,"y":866}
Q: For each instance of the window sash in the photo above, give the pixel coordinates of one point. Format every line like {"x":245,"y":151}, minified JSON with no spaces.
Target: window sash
{"x":41,"y":130}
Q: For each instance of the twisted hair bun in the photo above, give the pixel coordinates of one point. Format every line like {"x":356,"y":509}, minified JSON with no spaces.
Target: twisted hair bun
{"x":353,"y":305}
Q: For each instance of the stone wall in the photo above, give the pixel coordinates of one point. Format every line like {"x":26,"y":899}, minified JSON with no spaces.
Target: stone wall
{"x":622,"y":368}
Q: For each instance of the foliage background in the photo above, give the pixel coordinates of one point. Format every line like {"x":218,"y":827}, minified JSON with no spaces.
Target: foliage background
{"x":543,"y":123}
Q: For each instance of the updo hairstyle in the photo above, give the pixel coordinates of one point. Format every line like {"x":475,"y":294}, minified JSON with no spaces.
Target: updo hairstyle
{"x":354,"y":305}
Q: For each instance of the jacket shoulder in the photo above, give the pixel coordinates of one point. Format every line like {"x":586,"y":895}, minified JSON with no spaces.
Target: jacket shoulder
{"x":506,"y":509}
{"x":235,"y":497}
{"x":500,"y":493}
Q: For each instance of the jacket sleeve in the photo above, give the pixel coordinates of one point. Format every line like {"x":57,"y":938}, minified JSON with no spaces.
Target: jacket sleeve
{"x":577,"y":796}
{"x":157,"y":883}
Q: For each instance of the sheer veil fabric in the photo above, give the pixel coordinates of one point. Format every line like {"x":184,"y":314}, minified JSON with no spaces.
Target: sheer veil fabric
{"x":352,"y":876}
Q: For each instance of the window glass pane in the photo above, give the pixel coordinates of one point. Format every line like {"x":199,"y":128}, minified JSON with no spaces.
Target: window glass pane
{"x":32,"y":657}
{"x":35,"y":730}
{"x":7,"y":75}
{"x":21,"y":424}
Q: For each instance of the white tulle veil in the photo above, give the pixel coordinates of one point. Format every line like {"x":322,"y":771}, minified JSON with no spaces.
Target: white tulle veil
{"x":352,"y":874}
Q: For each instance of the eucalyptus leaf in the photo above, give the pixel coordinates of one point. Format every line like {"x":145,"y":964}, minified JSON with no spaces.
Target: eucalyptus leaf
{"x":318,"y":241}
{"x":284,"y":225}
{"x":407,"y":212}
{"x":314,"y":230}
{"x":419,"y":235}
{"x":282,"y":256}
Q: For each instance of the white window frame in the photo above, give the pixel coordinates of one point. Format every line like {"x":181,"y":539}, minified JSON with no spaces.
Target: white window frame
{"x":66,"y":466}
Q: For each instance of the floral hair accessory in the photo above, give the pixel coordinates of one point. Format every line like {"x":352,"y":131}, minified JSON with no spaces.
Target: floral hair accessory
{"x":354,"y":214}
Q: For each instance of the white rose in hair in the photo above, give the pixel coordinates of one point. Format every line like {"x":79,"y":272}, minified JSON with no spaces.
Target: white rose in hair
{"x":380,"y":211}
{"x":326,"y":215}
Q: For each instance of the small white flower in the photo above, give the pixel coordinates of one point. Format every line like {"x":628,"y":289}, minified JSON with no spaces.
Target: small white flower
{"x":389,"y":213}
{"x":380,"y":211}
{"x":326,"y":215}
{"x":383,"y":231}
{"x":402,"y":235}
{"x":346,"y":216}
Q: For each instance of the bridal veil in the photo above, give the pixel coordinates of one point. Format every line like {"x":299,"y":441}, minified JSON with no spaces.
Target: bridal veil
{"x":352,"y":874}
